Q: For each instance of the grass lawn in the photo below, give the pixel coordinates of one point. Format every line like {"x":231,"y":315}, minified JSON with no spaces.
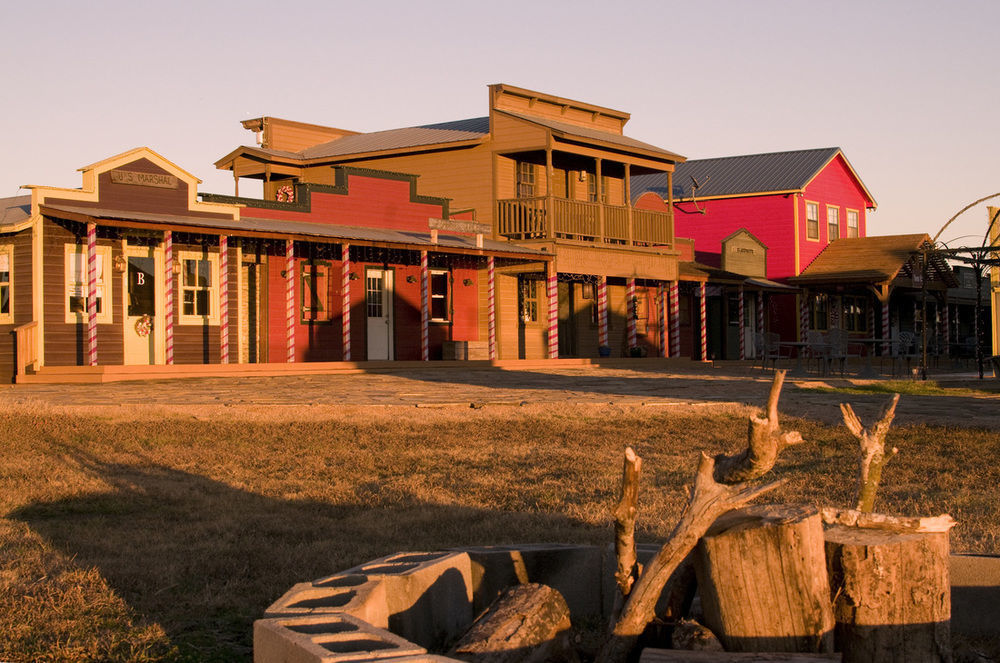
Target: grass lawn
{"x":151,"y":534}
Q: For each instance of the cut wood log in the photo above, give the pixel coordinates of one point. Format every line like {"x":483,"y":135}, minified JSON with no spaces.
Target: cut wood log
{"x":855,"y":518}
{"x":873,"y":455}
{"x":763,"y":580}
{"x":526,"y":624}
{"x":707,"y":501}
{"x":676,"y":656}
{"x":764,"y":442}
{"x":892,"y":599}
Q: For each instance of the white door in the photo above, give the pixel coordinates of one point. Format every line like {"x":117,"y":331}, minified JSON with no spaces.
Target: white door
{"x":378,"y":300}
{"x":142,"y":303}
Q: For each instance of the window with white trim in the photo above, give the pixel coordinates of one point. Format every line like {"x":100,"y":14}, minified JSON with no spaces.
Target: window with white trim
{"x":199,"y":288}
{"x":812,"y":221}
{"x":440,"y":286}
{"x":6,"y":292}
{"x":832,"y":223}
{"x":77,"y":273}
{"x":853,"y":224}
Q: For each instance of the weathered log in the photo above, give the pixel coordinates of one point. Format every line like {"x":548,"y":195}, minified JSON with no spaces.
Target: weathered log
{"x":763,"y":580}
{"x":892,"y":599}
{"x":677,"y":656}
{"x":764,"y":443}
{"x":855,"y":518}
{"x":527,"y":624}
{"x":625,"y":514}
{"x":707,"y":501}
{"x":873,"y":455}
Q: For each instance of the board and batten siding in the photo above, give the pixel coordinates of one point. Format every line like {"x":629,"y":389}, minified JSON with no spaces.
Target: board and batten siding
{"x":21,"y":301}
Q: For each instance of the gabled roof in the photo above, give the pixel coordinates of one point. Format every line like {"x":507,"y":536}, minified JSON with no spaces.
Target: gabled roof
{"x":13,"y":211}
{"x":752,"y":174}
{"x":868,"y":260}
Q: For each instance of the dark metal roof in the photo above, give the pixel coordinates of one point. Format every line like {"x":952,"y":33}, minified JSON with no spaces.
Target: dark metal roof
{"x":14,"y":210}
{"x":739,"y":175}
{"x":588,"y":134}
{"x":304,"y":229}
{"x":393,"y":139}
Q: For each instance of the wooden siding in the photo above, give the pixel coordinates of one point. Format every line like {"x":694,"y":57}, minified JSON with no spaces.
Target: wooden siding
{"x":21,"y":302}
{"x":293,"y":136}
{"x":563,"y":113}
{"x":511,"y":134}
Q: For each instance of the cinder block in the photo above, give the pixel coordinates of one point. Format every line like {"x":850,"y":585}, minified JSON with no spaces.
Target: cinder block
{"x":428,"y":595}
{"x":328,"y":638}
{"x":353,"y":594}
{"x":573,"y":570}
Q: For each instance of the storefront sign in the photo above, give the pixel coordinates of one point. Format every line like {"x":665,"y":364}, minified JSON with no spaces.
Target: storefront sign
{"x":458,"y":226}
{"x":159,"y":180}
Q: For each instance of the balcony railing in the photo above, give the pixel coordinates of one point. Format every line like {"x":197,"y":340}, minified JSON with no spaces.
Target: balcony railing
{"x":559,"y":218}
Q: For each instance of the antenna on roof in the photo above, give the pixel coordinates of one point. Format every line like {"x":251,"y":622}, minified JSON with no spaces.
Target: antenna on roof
{"x":695,"y":185}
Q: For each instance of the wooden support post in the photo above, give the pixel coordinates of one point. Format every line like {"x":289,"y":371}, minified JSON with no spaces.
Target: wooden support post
{"x":289,"y":301}
{"x":763,"y":582}
{"x":345,"y":301}
{"x":425,"y":353}
{"x":491,"y":296}
{"x":91,"y":279}
{"x":168,"y":309}
{"x":223,"y":299}
{"x":675,"y":319}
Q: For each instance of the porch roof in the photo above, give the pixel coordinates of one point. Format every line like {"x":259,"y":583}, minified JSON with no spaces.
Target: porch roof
{"x":695,"y":271}
{"x":872,"y":260}
{"x":280,"y":229}
{"x":14,"y":211}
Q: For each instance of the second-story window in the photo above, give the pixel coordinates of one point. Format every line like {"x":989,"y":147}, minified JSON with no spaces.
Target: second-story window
{"x":853,"y":228}
{"x":525,"y":179}
{"x":812,"y":221}
{"x":832,"y":223}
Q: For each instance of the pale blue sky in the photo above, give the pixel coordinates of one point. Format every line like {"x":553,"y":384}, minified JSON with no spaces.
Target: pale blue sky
{"x":910,"y":90}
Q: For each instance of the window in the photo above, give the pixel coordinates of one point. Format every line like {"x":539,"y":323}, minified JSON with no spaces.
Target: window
{"x":76,"y":284}
{"x":855,"y":313}
{"x":199,"y":288}
{"x":440,"y":281}
{"x":373,"y":293}
{"x":529,"y":300}
{"x":853,"y":227}
{"x":525,"y":179}
{"x":819,"y":312}
{"x":832,"y":223}
{"x":314,"y":286}
{"x":6,"y":263}
{"x":812,"y":221}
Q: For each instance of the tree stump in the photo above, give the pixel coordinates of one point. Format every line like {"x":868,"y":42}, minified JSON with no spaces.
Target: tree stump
{"x":527,"y":624}
{"x":892,"y":599}
{"x":763,"y":580}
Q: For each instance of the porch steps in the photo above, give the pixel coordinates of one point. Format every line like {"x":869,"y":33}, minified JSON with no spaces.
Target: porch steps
{"x":103,"y":374}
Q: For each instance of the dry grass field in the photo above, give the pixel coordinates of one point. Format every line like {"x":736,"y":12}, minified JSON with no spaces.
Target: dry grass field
{"x":160,"y":534}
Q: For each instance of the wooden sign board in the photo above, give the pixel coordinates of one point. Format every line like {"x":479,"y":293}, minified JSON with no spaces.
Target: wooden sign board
{"x":159,"y":180}
{"x":458,"y":226}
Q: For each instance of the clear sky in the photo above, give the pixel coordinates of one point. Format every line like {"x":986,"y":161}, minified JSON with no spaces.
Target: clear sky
{"x":910,"y":90}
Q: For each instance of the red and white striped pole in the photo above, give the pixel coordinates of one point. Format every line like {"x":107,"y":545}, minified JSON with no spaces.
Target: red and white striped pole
{"x":675,"y":319}
{"x":633,"y":312}
{"x":425,"y":353}
{"x":947,"y":329}
{"x":743,"y":333}
{"x":885,"y":327}
{"x":223,"y":299}
{"x":804,"y":316}
{"x":760,"y":311}
{"x":492,"y":303}
{"x":553,"y":295}
{"x":661,"y":314}
{"x":602,"y":312}
{"x":871,"y":323}
{"x":290,"y":301}
{"x":92,"y":293}
{"x":168,"y":309}
{"x":704,"y":322}
{"x":345,"y":300}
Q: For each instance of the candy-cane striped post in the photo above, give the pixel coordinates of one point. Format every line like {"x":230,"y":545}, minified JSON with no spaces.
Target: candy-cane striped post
{"x":92,"y":293}
{"x":885,"y":327}
{"x":947,"y":330}
{"x":553,"y":295}
{"x":290,"y":301}
{"x":871,"y":322}
{"x":602,"y":312}
{"x":168,"y":309}
{"x":491,"y":294}
{"x":704,"y":323}
{"x":760,"y":311}
{"x":632,"y":312}
{"x":804,"y":316}
{"x":223,"y":299}
{"x":743,"y":333}
{"x":425,"y":352}
{"x":661,"y":315}
{"x":345,"y":300}
{"x":675,"y":319}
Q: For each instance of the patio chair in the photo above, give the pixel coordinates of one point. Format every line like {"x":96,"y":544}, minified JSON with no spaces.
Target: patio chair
{"x":901,"y":348}
{"x":818,"y":348}
{"x":837,"y":347}
{"x":768,"y":349}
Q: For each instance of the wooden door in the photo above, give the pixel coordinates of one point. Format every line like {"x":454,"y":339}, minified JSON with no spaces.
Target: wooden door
{"x":143,"y":304}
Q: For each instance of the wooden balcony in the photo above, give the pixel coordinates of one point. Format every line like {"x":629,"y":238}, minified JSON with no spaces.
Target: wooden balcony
{"x":559,"y":218}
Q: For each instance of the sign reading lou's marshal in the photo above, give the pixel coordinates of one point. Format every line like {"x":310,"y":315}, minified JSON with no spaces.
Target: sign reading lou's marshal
{"x":159,"y":180}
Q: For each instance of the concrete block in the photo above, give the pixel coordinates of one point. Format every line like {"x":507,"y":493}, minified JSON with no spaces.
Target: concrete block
{"x":573,"y":570}
{"x":428,"y":595}
{"x":328,"y":638}
{"x":353,"y":594}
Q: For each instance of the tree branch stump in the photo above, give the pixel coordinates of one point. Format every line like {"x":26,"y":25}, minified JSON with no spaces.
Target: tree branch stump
{"x":892,"y":599}
{"x":873,"y":455}
{"x":763,"y":580}
{"x":625,"y":514}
